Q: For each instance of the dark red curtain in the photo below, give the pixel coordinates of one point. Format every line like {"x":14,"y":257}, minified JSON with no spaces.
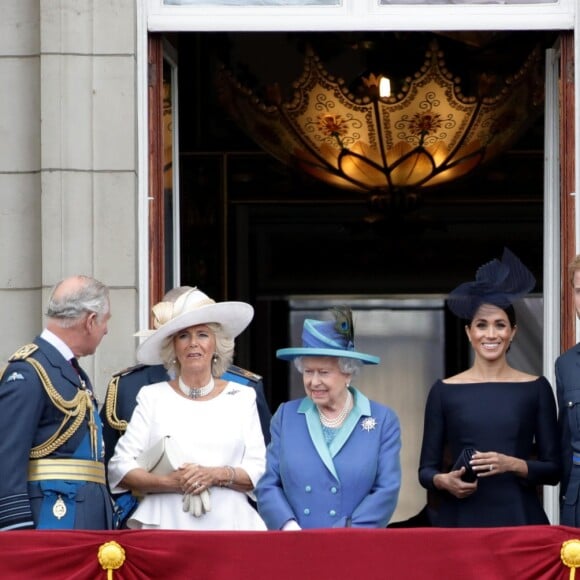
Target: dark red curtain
{"x":527,"y":552}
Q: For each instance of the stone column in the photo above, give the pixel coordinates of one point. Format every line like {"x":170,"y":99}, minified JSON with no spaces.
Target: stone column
{"x":68,"y":164}
{"x":88,"y":159}
{"x":20,"y":207}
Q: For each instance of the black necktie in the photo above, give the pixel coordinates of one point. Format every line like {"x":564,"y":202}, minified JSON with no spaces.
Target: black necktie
{"x":86,"y":386}
{"x":85,"y":383}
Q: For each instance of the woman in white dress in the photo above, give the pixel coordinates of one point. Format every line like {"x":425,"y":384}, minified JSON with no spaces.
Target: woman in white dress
{"x":215,"y":447}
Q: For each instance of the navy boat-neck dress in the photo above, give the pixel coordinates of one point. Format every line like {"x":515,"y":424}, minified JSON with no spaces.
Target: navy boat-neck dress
{"x":513,"y":418}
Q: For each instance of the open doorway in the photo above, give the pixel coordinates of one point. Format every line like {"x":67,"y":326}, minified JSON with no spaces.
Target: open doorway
{"x":251,"y":228}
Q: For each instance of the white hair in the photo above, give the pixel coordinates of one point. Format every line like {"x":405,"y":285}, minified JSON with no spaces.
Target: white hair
{"x":347,"y":365}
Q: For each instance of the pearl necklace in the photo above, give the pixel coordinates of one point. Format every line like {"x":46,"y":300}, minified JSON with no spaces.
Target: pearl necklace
{"x":193,"y":393}
{"x":338,"y":420}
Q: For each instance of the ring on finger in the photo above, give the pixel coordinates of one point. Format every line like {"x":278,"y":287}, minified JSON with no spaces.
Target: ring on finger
{"x":491,"y":467}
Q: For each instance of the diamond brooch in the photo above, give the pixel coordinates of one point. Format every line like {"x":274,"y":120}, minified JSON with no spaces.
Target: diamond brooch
{"x":369,"y":424}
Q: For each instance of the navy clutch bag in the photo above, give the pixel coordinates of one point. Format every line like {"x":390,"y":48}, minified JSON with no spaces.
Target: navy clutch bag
{"x":463,"y":461}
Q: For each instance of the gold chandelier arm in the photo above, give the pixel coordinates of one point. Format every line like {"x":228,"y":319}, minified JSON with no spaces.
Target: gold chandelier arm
{"x":425,"y":134}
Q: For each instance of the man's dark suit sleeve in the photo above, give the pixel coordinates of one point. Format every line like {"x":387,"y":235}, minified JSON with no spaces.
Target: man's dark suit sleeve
{"x":244,"y":377}
{"x":263,"y":411}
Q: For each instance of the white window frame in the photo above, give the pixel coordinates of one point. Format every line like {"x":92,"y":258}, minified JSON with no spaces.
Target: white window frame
{"x":362,"y":15}
{"x":170,"y":56}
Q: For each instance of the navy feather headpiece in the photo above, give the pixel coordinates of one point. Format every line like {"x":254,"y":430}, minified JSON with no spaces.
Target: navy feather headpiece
{"x":499,"y":283}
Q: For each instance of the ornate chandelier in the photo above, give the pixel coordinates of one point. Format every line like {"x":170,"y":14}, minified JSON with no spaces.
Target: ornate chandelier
{"x":388,"y":146}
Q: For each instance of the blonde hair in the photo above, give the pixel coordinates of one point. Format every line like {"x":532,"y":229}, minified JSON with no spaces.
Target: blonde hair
{"x":573,"y":267}
{"x":223,"y":356}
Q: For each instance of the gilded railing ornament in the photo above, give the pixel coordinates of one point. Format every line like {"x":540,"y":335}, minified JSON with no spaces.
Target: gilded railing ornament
{"x":570,"y":555}
{"x":111,"y":557}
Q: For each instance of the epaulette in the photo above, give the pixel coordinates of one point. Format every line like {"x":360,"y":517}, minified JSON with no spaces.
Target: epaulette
{"x":111,"y":405}
{"x":23,"y":352}
{"x":129,"y":370}
{"x":235,"y":370}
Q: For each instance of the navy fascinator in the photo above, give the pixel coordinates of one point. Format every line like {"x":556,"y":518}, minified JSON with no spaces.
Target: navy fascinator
{"x":497,"y":282}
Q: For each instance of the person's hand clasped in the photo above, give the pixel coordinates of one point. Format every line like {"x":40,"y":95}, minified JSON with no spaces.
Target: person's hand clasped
{"x":195,"y":479}
{"x":488,"y":463}
{"x":195,"y":483}
{"x":453,"y":483}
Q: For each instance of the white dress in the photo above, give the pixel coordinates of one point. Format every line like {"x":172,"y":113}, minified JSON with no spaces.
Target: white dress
{"x":222,"y":431}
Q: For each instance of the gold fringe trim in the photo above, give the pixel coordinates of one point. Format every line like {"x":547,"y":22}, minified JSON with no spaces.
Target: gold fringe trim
{"x":75,"y":409}
{"x":111,"y":406}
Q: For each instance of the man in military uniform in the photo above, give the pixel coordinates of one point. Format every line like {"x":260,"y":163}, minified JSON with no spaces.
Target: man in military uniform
{"x":120,"y":401}
{"x":51,"y":445}
{"x":568,"y":391}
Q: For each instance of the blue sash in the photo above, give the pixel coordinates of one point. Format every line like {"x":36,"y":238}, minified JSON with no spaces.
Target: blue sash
{"x":125,"y":504}
{"x":58,"y":508}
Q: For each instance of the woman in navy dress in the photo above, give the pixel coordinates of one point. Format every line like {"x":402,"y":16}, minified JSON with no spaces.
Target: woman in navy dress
{"x":505,"y":418}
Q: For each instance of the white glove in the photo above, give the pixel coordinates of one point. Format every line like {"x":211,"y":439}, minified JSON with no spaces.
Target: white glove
{"x":291,"y":526}
{"x":197,"y":504}
{"x":205,"y":503}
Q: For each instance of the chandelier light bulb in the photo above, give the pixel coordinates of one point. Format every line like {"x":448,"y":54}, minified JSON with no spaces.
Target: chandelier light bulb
{"x":384,"y":88}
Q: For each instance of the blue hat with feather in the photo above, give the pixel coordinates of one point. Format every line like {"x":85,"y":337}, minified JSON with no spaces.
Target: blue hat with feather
{"x":328,"y":338}
{"x":499,"y":283}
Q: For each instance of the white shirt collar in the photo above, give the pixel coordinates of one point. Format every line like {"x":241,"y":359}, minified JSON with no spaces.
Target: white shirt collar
{"x":58,"y":343}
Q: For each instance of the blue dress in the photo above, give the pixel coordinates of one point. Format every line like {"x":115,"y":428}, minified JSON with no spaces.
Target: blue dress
{"x":514,"y":418}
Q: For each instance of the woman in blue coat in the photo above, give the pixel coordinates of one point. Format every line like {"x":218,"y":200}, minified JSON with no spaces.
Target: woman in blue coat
{"x":333,"y":460}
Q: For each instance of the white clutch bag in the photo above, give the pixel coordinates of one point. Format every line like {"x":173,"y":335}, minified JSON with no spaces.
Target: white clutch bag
{"x":161,"y":458}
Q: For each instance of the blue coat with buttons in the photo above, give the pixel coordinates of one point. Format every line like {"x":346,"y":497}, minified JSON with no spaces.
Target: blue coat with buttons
{"x":568,"y":391}
{"x":353,"y":481}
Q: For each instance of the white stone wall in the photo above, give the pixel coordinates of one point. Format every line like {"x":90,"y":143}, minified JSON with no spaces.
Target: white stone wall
{"x":68,"y":177}
{"x":20,"y":237}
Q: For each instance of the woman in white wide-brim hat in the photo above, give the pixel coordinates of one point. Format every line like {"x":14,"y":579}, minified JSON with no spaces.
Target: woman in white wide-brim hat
{"x":193,"y":448}
{"x":333,"y":460}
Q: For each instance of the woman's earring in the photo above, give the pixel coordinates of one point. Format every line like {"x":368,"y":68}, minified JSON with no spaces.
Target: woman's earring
{"x":214,"y":357}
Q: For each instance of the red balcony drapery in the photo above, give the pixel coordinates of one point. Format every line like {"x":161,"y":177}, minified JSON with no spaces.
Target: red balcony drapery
{"x":523,"y":553}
